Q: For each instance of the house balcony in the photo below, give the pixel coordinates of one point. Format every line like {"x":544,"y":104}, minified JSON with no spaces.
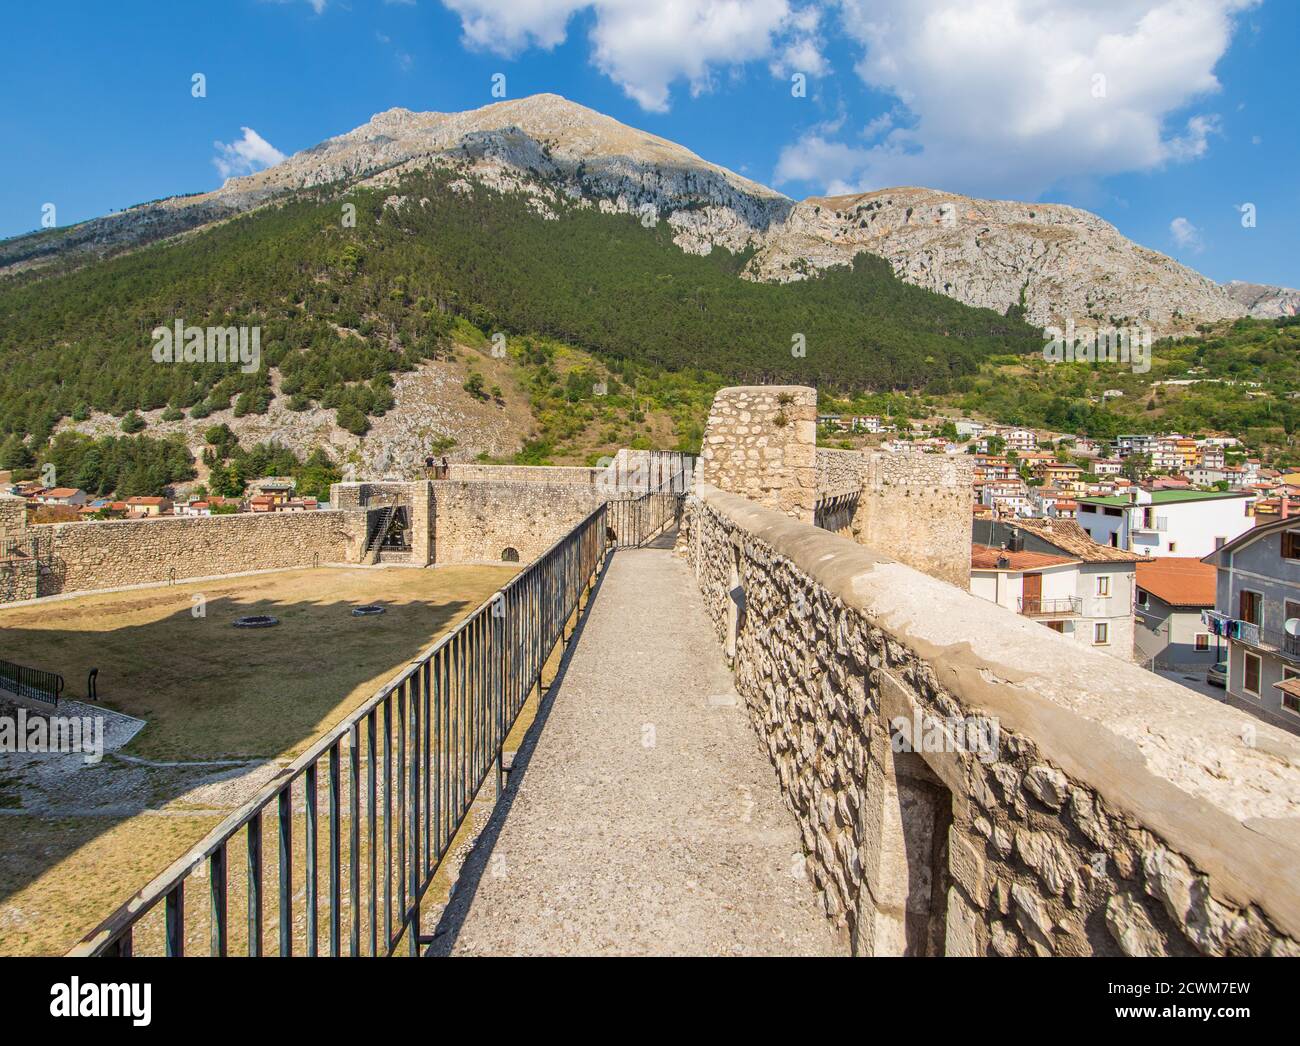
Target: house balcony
{"x":1064,"y":607}
{"x":1268,"y":641}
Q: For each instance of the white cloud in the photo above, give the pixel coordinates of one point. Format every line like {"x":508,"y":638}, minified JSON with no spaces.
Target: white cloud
{"x":1011,"y":97}
{"x":1186,"y":235}
{"x":250,"y":153}
{"x":645,"y":48}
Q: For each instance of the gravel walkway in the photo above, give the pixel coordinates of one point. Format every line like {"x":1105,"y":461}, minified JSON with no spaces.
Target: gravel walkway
{"x":642,"y":818}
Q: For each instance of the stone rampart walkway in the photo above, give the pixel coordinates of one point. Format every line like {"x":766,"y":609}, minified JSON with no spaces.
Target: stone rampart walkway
{"x":642,"y":818}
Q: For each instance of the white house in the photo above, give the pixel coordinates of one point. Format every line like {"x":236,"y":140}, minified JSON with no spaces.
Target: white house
{"x":1051,"y":571}
{"x":1166,"y":522}
{"x":71,"y":496}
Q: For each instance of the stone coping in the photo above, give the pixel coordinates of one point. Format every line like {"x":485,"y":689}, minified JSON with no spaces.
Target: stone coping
{"x":1215,"y":783}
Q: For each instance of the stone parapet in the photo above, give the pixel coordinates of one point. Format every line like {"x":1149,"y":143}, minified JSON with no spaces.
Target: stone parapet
{"x":1048,"y":800}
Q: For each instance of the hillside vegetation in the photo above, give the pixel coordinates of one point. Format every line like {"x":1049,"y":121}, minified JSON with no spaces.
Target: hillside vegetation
{"x":341,"y":309}
{"x":1243,"y":376}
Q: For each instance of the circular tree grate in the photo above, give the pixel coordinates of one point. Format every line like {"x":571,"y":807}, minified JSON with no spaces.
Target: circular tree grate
{"x":367,"y":611}
{"x":256,"y":621}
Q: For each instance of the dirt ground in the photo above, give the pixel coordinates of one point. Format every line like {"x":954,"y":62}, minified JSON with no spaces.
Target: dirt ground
{"x":223,"y":707}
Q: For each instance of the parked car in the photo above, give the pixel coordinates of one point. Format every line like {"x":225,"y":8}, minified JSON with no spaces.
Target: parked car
{"x":1217,"y":675}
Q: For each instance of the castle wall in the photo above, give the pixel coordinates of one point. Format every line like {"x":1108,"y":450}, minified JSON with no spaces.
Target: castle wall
{"x":1053,"y":800}
{"x":113,"y":553}
{"x":558,"y":475}
{"x":917,"y":509}
{"x":475,"y":522}
{"x":761,"y":441}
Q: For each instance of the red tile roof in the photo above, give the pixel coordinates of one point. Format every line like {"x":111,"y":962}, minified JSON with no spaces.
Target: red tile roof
{"x":985,"y":557}
{"x":1179,"y":581}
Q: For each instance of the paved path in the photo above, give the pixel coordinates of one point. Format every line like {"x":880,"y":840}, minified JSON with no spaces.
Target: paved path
{"x":642,"y":818}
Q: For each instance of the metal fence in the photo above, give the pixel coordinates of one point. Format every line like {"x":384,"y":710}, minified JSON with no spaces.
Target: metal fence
{"x":34,"y":683}
{"x":636,"y":521}
{"x":416,"y":754}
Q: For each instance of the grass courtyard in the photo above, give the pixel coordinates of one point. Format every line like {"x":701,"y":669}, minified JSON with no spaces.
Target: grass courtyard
{"x":73,"y":846}
{"x":208,"y":690}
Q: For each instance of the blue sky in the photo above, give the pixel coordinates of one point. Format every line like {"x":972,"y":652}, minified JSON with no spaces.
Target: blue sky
{"x":1163,"y":116}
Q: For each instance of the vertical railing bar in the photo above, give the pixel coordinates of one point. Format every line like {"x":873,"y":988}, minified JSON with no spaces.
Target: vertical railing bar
{"x":286,"y":870}
{"x":255,"y":885}
{"x":403,"y":801}
{"x":336,"y":852}
{"x":217,"y":901}
{"x":371,"y":760}
{"x":311,"y":787}
{"x":388,"y":823}
{"x":428,"y":768}
{"x":413,"y":816}
{"x":354,"y":838}
{"x":176,"y":921}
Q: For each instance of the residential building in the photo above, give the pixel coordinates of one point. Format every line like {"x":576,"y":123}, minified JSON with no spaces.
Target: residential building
{"x":968,"y":429}
{"x":1257,"y":611}
{"x":1008,"y":497}
{"x":1169,"y":632}
{"x":1051,"y":571}
{"x":1211,"y":455}
{"x":1106,"y":467}
{"x":1019,"y":439}
{"x":1136,"y":444}
{"x":1166,"y":522}
{"x":69,"y":496}
{"x":281,"y":488}
{"x":1056,"y":473}
{"x":139,"y":507}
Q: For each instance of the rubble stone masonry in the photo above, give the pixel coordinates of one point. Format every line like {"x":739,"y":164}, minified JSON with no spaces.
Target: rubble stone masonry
{"x":478,"y":522}
{"x":113,"y":553}
{"x":1110,"y":814}
{"x":761,"y":441}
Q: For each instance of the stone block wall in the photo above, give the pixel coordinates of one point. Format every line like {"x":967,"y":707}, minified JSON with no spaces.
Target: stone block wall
{"x":477,"y":522}
{"x":13,"y":516}
{"x":562,"y":476}
{"x":113,"y":553}
{"x":366,"y":501}
{"x":840,"y":472}
{"x":761,"y":441}
{"x":1105,"y":812}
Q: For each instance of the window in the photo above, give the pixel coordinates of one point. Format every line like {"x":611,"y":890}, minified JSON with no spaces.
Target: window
{"x":1100,"y":634}
{"x":1202,"y":640}
{"x":1143,"y":600}
{"x":1291,"y":544}
{"x":1103,"y":585}
{"x":1250,"y":606}
{"x":1250,"y":675}
{"x":1290,"y":702}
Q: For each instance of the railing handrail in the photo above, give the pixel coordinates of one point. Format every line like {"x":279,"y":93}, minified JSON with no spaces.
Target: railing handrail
{"x":1049,"y":604}
{"x":123,"y":919}
{"x":39,"y":684}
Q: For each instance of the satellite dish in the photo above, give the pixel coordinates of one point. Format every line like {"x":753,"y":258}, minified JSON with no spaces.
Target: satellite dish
{"x":1292,"y":626}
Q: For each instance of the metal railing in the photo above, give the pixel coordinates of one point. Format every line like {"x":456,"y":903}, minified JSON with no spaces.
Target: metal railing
{"x":1066,"y":606}
{"x":1267,"y":639}
{"x":636,"y":521}
{"x":416,"y":754}
{"x":34,"y":683}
